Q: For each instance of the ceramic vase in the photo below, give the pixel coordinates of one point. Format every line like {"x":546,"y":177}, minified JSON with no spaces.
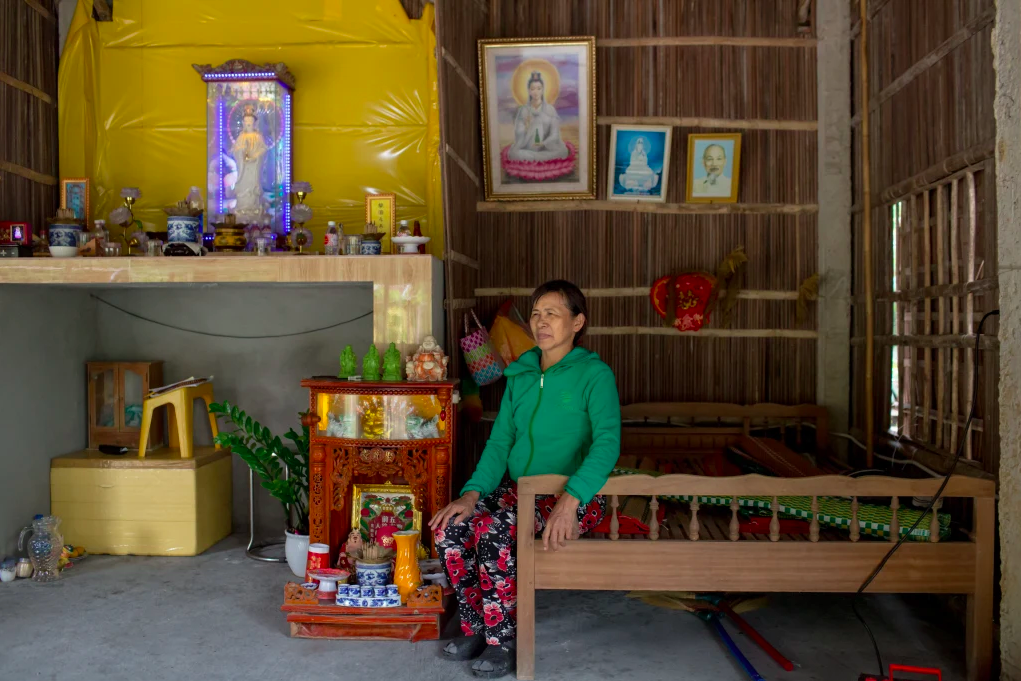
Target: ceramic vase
{"x":296,"y":551}
{"x":372,"y":574}
{"x":63,"y":239}
{"x":407,"y":576}
{"x":371,"y":248}
{"x":183,"y":229}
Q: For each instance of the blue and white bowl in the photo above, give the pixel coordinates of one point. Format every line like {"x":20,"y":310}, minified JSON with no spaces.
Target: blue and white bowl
{"x":371,"y":248}
{"x":372,"y":574}
{"x":392,"y":591}
{"x":63,"y":239}
{"x":183,"y":229}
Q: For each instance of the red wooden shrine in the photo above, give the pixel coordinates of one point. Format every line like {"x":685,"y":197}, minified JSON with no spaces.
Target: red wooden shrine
{"x":372,"y":433}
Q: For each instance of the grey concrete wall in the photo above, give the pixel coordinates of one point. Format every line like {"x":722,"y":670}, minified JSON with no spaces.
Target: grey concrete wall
{"x":1007,"y":62}
{"x":834,"y":101}
{"x":261,"y":376}
{"x":47,"y":336}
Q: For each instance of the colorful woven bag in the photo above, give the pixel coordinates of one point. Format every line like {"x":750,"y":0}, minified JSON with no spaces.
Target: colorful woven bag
{"x":483,"y":361}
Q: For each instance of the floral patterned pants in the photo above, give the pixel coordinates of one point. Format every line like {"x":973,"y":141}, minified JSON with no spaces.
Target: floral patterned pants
{"x":479,"y":556}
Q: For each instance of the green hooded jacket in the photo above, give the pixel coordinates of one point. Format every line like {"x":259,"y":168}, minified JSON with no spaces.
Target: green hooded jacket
{"x":564,"y":421}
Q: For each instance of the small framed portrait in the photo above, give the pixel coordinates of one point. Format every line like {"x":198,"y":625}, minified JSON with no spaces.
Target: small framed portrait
{"x":381,"y":211}
{"x":639,"y":163}
{"x":538,"y":118}
{"x":714,"y":161}
{"x":378,"y":511}
{"x":74,"y":194}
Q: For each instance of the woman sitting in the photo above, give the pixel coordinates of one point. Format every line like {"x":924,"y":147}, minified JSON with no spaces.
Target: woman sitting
{"x":560,"y":414}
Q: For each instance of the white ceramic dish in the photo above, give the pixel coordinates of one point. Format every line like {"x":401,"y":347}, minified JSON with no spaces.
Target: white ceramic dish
{"x":63,"y":251}
{"x":410,"y":244}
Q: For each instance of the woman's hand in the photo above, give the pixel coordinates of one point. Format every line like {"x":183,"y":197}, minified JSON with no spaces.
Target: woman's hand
{"x":562,"y":523}
{"x":458,"y":510}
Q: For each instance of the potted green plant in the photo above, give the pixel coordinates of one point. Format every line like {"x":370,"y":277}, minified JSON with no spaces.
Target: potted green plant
{"x":282,"y":470}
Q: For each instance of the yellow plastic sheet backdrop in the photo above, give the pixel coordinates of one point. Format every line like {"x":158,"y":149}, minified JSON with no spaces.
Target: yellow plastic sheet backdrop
{"x":366,"y":114}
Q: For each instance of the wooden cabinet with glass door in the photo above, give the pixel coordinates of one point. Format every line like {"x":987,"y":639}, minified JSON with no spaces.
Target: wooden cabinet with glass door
{"x":116,"y":392}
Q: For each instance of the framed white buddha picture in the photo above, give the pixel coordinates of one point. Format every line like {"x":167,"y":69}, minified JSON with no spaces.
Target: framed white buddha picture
{"x":538,"y":118}
{"x":638,"y":166}
{"x":713,"y":164}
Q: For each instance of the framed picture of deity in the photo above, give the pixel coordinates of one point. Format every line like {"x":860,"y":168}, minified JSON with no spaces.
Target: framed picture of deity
{"x":538,"y":118}
{"x":639,"y":163}
{"x":713,"y":164}
{"x":380,"y":510}
{"x":74,"y":194}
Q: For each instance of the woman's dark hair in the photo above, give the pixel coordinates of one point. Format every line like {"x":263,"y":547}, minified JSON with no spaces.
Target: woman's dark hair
{"x":573,"y":299}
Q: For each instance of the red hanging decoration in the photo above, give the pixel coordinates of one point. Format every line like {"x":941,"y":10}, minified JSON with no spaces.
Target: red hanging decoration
{"x":685,"y":304}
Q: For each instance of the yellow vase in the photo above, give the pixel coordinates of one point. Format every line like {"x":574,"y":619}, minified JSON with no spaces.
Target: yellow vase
{"x":407,"y":576}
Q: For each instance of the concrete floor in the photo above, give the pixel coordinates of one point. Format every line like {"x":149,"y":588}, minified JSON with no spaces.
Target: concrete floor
{"x":216,"y":617}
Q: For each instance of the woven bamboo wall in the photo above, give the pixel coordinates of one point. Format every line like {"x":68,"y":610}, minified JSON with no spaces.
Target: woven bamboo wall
{"x":931,"y":84}
{"x":28,"y":136}
{"x":602,"y":249}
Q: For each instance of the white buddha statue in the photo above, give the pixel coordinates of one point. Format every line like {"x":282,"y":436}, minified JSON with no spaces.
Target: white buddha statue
{"x":537,"y":127}
{"x":249,"y":153}
{"x":639,"y":176}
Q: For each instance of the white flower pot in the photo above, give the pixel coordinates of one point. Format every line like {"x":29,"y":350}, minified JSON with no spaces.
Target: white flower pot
{"x":296,"y":550}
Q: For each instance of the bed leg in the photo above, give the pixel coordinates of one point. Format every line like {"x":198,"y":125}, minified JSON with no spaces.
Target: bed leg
{"x":526,"y":588}
{"x":980,"y":603}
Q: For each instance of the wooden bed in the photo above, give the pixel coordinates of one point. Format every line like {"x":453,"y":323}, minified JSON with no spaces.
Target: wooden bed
{"x":698,"y":549}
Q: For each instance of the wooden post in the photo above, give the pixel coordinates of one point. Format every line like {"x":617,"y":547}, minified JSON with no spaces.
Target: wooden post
{"x":320,"y":494}
{"x":813,"y":528}
{"x":693,"y":525}
{"x":774,"y":524}
{"x":653,"y":519}
{"x":941,"y":357}
{"x":927,"y":328}
{"x":855,"y":529}
{"x":955,"y":318}
{"x":866,"y":197}
{"x":934,"y":522}
{"x":980,"y":602}
{"x":735,"y":525}
{"x":969,"y":306}
{"x":614,"y":520}
{"x":526,"y":586}
{"x":894,"y":520}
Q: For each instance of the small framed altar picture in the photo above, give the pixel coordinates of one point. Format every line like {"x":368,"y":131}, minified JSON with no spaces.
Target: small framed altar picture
{"x":538,"y":118}
{"x":381,"y":211}
{"x":713,"y":164}
{"x":380,"y":510}
{"x":639,"y":163}
{"x":74,"y":194}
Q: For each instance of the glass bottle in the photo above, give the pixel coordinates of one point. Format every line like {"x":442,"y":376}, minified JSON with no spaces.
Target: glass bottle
{"x":332,"y":239}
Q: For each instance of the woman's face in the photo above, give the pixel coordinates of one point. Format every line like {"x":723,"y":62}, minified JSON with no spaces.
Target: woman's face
{"x":552,"y":324}
{"x":535,"y":92}
{"x":249,"y":123}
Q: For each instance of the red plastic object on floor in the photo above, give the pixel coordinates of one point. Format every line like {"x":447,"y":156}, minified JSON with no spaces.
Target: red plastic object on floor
{"x":925,"y":671}
{"x":760,"y":525}
{"x":628,"y":525}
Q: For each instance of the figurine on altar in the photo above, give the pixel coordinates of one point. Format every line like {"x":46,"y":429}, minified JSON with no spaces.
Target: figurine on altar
{"x":348,"y":363}
{"x":429,"y":363}
{"x":370,"y":364}
{"x":392,"y":363}
{"x":351,"y":550}
{"x":249,"y":150}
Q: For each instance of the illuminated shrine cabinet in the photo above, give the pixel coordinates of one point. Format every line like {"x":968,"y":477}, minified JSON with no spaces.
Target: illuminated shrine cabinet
{"x":365,"y":432}
{"x":248,"y":142}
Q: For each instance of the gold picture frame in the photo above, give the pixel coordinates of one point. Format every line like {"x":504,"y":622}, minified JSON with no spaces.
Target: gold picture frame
{"x":705,"y":161}
{"x":534,"y":149}
{"x":400,"y":497}
{"x":381,"y":211}
{"x":74,"y":194}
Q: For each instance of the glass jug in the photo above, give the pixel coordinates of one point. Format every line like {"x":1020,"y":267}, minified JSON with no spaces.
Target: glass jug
{"x":44,"y":548}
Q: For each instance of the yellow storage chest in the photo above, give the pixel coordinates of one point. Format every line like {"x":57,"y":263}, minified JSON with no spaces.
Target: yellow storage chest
{"x":160,"y":505}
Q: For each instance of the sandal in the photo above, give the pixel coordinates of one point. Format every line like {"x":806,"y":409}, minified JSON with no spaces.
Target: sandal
{"x":465,"y":647}
{"x":495,"y":662}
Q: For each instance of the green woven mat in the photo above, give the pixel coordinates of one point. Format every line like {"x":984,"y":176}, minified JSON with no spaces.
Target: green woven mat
{"x":834,"y":512}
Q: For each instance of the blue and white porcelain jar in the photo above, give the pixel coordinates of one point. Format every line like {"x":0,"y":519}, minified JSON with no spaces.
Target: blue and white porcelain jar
{"x":371,"y":247}
{"x":62,"y":237}
{"x":372,"y":574}
{"x":183,"y":229}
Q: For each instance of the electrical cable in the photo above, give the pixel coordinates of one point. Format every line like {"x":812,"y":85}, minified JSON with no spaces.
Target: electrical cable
{"x":227,"y":335}
{"x":932,"y":502}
